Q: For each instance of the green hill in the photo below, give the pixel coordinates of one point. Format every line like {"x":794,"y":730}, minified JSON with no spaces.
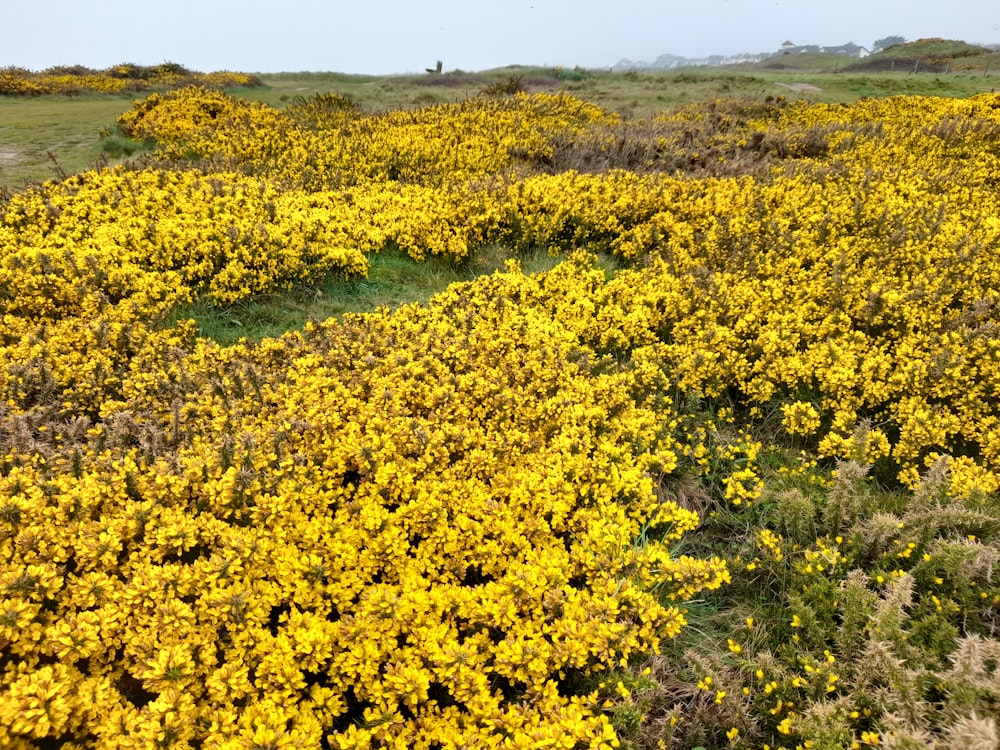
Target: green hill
{"x":814,"y":62}
{"x":929,"y":55}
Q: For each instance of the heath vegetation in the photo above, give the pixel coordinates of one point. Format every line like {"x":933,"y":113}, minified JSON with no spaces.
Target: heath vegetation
{"x":722,"y":472}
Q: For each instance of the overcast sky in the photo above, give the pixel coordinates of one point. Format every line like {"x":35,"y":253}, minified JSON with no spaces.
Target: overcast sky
{"x":399,"y":36}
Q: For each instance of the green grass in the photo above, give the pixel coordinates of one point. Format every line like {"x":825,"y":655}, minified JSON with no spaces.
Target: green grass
{"x":931,"y":48}
{"x":816,"y":62}
{"x":394,"y":279}
{"x":68,"y":128}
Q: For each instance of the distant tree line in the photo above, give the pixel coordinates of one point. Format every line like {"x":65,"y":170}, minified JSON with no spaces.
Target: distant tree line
{"x":884,"y":43}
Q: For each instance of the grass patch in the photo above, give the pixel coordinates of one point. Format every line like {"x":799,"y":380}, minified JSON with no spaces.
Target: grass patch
{"x":68,"y":128}
{"x":815,"y":62}
{"x":394,"y":279}
{"x":116,"y":145}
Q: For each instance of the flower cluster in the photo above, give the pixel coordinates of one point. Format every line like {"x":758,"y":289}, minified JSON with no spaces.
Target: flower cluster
{"x":77,"y":79}
{"x":410,"y":528}
{"x":851,"y":283}
{"x":444,"y":146}
{"x":89,"y":266}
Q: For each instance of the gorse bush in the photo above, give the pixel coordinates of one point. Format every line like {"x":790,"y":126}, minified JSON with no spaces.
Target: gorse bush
{"x":474,"y":574}
{"x":126,"y":77}
{"x":472,"y":522}
{"x":507,"y":87}
{"x":856,"y":617}
{"x":322,"y":111}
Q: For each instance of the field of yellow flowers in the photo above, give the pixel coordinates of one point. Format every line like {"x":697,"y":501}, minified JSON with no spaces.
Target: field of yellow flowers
{"x":124,"y":78}
{"x":476,"y":522}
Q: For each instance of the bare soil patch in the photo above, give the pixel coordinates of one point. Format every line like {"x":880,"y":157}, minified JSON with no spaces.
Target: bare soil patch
{"x":799,"y":87}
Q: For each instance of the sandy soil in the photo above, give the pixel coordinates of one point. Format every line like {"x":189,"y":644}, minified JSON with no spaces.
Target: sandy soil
{"x":799,"y":87}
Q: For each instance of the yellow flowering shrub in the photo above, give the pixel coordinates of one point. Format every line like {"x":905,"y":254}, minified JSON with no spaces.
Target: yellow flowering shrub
{"x":12,"y":83}
{"x":221,"y":235}
{"x":383,"y":531}
{"x":77,"y":79}
{"x":434,"y":526}
{"x":444,"y":145}
{"x":182,"y":114}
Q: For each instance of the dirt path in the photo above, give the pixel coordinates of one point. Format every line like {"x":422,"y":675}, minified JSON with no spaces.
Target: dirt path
{"x":8,"y":154}
{"x":800,"y":87}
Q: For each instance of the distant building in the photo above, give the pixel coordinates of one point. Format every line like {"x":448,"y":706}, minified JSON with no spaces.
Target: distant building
{"x":667,"y":61}
{"x":850,"y":49}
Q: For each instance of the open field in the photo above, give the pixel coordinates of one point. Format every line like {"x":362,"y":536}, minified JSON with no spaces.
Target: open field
{"x":69,"y":128}
{"x":515,"y":421}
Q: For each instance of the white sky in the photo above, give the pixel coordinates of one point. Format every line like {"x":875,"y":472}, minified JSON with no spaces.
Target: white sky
{"x":399,"y":36}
